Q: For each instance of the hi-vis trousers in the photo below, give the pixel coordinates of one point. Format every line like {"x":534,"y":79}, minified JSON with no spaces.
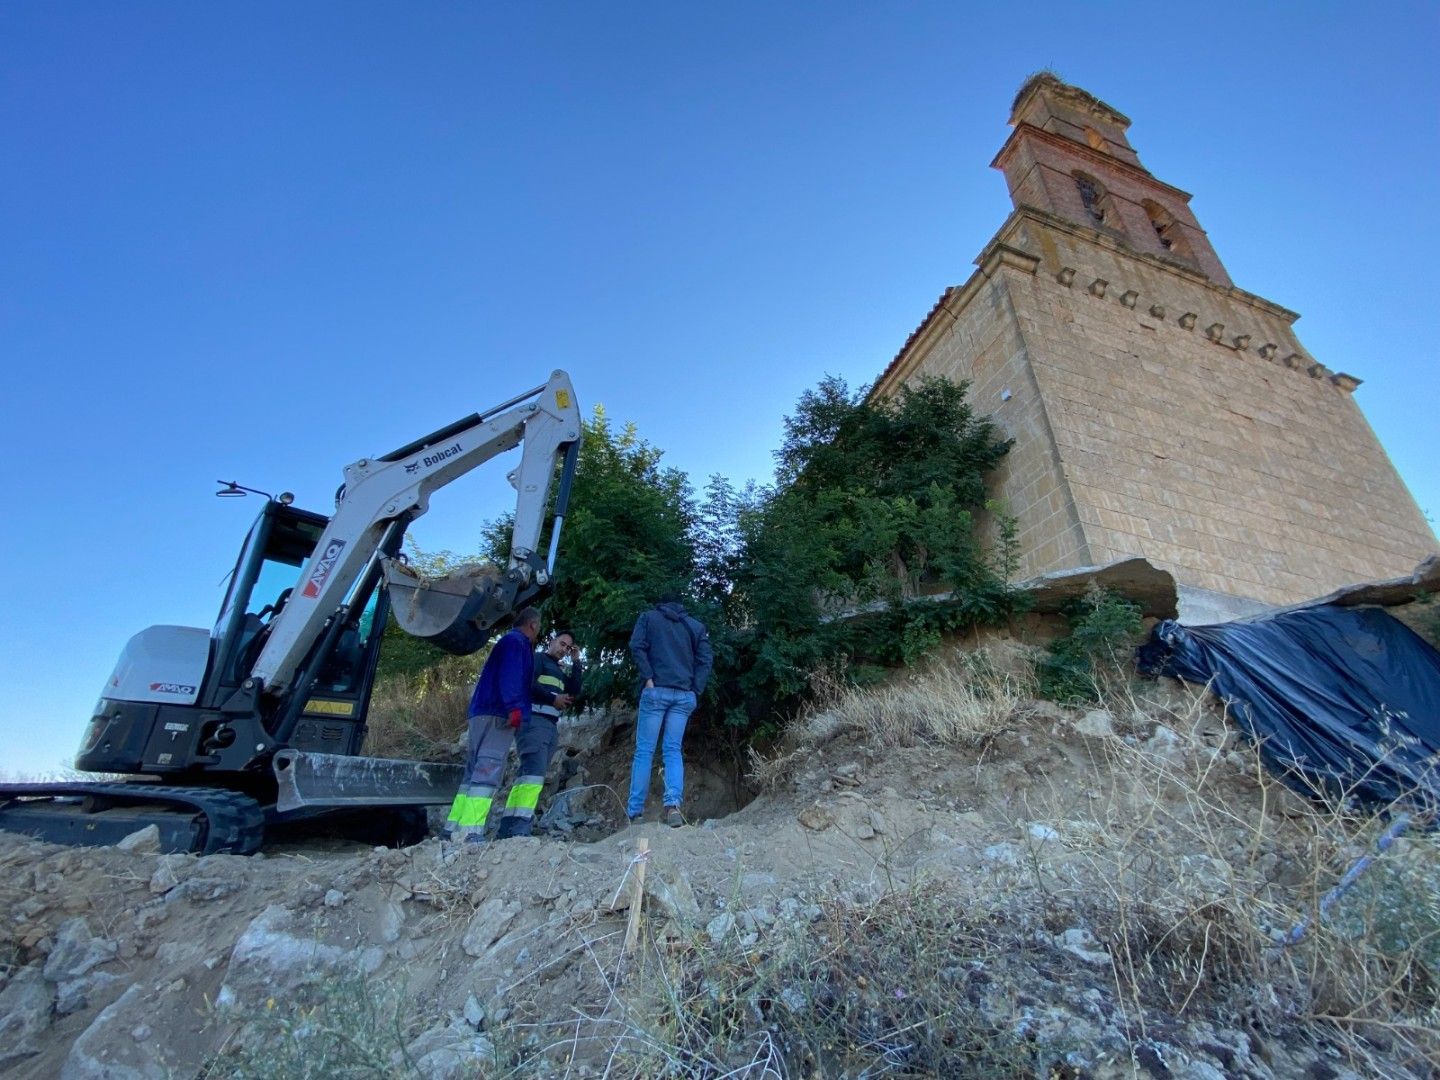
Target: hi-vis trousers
{"x":535,"y":744}
{"x":490,"y":739}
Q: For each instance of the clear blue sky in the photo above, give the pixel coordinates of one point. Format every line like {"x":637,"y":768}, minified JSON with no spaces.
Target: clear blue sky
{"x":259,"y":241}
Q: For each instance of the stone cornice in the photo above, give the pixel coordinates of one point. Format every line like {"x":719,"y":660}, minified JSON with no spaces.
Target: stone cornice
{"x":1106,"y":240}
{"x":1081,"y":150}
{"x":998,"y":254}
{"x":1002,"y":252}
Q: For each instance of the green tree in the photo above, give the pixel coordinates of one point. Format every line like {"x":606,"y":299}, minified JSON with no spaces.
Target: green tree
{"x":626,"y":540}
{"x":875,"y":509}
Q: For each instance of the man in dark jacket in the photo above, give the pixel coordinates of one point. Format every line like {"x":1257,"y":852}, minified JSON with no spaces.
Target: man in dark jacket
{"x":672,"y":651}
{"x":499,"y":705}
{"x":553,"y":691}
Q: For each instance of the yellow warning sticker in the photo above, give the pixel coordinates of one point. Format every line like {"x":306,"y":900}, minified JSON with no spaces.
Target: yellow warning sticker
{"x":562,"y":399}
{"x":330,"y":708}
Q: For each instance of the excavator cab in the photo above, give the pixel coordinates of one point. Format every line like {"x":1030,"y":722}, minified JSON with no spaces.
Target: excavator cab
{"x":269,"y":565}
{"x":329,"y":717}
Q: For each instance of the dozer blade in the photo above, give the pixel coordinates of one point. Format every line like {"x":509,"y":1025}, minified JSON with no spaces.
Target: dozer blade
{"x":307,"y":779}
{"x":454,"y":612}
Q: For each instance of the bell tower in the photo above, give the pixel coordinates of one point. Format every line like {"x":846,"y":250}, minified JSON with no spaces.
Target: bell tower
{"x":1069,"y":155}
{"x":1157,"y":409}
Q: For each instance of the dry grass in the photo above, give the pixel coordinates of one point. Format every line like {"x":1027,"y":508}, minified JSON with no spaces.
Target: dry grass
{"x":909,"y":985}
{"x":334,"y":1027}
{"x":1182,"y":861}
{"x":1194,"y":895}
{"x":1195,"y":863}
{"x":956,"y":700}
{"x":422,"y":716}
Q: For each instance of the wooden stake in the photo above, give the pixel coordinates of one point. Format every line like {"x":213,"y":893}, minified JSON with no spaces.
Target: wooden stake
{"x":642,"y":860}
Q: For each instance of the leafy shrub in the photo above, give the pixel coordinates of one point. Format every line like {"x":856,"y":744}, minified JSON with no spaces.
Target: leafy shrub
{"x":1082,"y":664}
{"x":628,"y":538}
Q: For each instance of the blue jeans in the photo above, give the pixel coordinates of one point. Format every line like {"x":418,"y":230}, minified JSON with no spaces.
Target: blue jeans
{"x":667,"y":709}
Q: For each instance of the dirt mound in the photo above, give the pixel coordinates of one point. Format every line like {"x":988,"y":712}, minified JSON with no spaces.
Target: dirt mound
{"x":1078,"y":893}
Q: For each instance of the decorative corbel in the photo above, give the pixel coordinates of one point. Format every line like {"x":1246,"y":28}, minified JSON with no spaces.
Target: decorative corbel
{"x":1129,"y":297}
{"x":1318,"y":371}
{"x":1267,"y":351}
{"x":1242,"y":341}
{"x":1098,"y":287}
{"x":1294,"y":360}
{"x":1066,"y":276}
{"x":1157,"y":310}
{"x":1347,"y":383}
{"x":1215,"y":331}
{"x":1187,"y":321}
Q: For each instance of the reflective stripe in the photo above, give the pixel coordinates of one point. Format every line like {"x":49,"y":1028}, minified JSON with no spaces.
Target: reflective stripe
{"x":525,"y":792}
{"x":473,"y":812}
{"x":470,"y":808}
{"x":551,"y":680}
{"x":524,"y":796}
{"x":545,"y":710}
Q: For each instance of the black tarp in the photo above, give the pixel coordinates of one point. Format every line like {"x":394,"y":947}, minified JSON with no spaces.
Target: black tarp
{"x":1342,"y":701}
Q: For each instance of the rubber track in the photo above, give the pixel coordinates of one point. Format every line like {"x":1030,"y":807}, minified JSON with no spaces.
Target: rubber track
{"x":234,"y":823}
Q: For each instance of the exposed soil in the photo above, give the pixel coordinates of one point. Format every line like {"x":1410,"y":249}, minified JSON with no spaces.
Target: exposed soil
{"x":509,"y":955}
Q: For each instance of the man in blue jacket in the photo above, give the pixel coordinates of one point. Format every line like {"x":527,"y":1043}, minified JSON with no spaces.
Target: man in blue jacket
{"x":672,"y":651}
{"x":499,"y":705}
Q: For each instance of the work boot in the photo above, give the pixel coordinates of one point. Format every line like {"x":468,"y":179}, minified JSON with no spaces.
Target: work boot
{"x":511,"y":827}
{"x":673,"y":817}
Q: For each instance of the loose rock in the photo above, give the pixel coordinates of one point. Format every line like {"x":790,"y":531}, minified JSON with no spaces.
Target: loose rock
{"x":816,"y":818}
{"x":1097,"y":723}
{"x":672,"y":893}
{"x":76,"y":951}
{"x":144,"y":841}
{"x":25,"y":1006}
{"x":488,"y":925}
{"x":720,"y":926}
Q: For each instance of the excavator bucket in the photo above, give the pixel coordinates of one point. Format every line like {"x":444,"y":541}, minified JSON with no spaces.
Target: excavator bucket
{"x":332,"y":780}
{"x":454,"y":612}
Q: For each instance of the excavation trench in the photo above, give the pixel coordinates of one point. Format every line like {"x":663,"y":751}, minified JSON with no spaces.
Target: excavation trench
{"x":584,"y":797}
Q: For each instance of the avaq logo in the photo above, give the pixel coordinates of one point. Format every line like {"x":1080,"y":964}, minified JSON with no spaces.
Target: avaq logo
{"x":323,"y":568}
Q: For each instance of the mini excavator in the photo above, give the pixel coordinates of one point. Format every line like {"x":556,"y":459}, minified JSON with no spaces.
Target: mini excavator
{"x":216,"y":734}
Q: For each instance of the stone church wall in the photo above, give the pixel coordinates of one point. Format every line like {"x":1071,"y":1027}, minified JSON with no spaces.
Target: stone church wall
{"x":1159,"y":414}
{"x":1157,"y":410}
